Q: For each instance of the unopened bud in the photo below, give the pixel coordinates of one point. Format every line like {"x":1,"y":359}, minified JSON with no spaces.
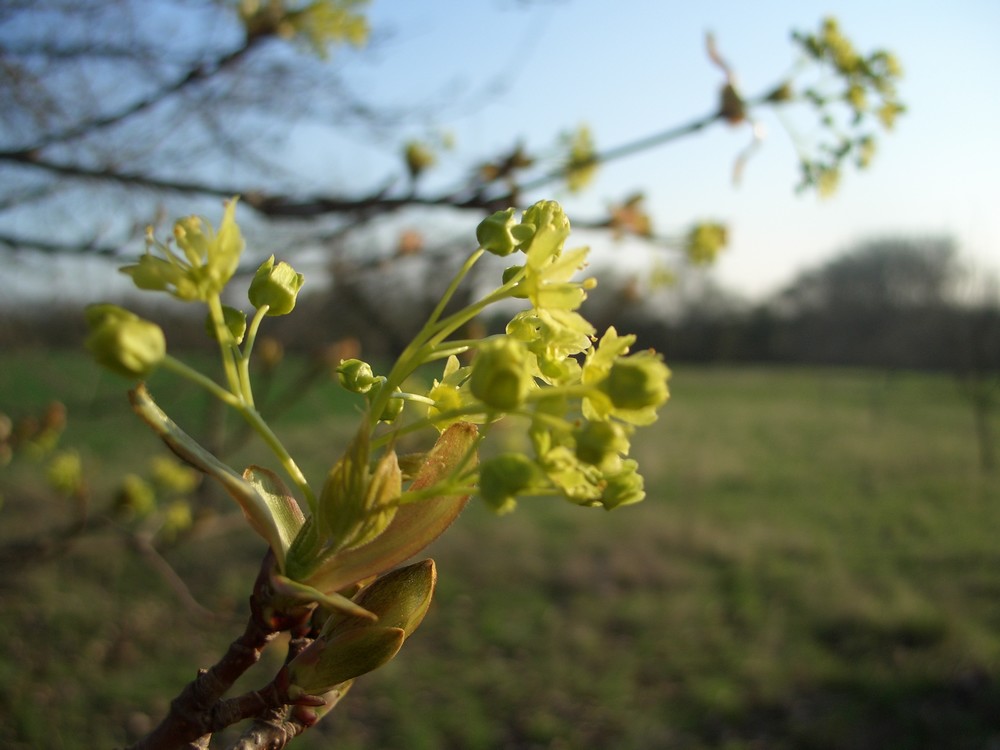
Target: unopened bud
{"x":637,"y":382}
{"x":355,"y":375}
{"x":123,"y":342}
{"x":234,"y":320}
{"x":501,"y":234}
{"x":276,"y":286}
{"x":624,"y":487}
{"x":500,"y":375}
{"x":326,"y":663}
{"x":503,"y":478}
{"x":393,"y":406}
{"x":599,"y":442}
{"x":399,"y":599}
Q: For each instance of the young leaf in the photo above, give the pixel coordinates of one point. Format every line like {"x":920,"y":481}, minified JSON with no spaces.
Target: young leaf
{"x":285,"y":511}
{"x":415,"y":525}
{"x":255,"y":508}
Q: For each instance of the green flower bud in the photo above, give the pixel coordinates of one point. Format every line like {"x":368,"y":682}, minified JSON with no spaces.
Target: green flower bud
{"x":508,"y":274}
{"x":781,"y":93}
{"x":705,"y":241}
{"x":174,"y":476}
{"x":135,"y":498}
{"x":177,"y":519}
{"x":501,"y":374}
{"x":275,"y":286}
{"x":419,"y":158}
{"x":501,"y":234}
{"x":624,"y":487}
{"x":234,"y":320}
{"x":393,"y":407}
{"x":597,"y":443}
{"x":355,"y":375}
{"x":65,"y":472}
{"x":123,"y":342}
{"x":503,"y":478}
{"x":637,"y":382}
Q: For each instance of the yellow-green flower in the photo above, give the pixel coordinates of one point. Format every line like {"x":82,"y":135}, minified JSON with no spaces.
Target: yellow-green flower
{"x":554,"y":336}
{"x":210,"y":258}
{"x":627,"y":388}
{"x":65,"y":472}
{"x":136,"y":497}
{"x":705,"y":241}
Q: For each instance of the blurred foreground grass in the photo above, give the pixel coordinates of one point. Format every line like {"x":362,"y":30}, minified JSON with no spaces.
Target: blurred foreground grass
{"x":817,"y":565}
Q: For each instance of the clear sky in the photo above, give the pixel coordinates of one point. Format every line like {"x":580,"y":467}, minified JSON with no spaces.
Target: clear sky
{"x":634,"y":67}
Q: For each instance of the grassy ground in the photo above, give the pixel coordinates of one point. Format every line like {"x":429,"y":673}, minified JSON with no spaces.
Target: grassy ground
{"x":817,"y":565}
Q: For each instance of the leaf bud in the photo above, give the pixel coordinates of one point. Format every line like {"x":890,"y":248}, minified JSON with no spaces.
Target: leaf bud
{"x":501,"y":375}
{"x":276,"y":286}
{"x":324,"y":664}
{"x":350,"y":646}
{"x":123,"y":342}
{"x":399,"y":599}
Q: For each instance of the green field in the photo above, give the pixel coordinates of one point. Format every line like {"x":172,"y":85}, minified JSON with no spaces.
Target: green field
{"x":817,"y":565}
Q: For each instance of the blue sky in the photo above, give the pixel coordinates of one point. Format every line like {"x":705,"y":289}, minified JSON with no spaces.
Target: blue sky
{"x":633,"y":67}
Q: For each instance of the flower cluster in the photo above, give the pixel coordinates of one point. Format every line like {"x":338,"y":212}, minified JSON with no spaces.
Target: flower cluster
{"x":580,"y":396}
{"x":865,"y":86}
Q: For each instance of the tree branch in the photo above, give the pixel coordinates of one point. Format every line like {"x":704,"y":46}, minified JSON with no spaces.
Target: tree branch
{"x":290,"y":207}
{"x":193,"y":75}
{"x":191,"y":713}
{"x":57,"y":248}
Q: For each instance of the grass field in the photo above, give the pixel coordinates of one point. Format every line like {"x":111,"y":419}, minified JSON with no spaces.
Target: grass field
{"x":817,"y":565}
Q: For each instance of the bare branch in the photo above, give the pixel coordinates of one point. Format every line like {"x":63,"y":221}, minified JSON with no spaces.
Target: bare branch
{"x":280,"y":205}
{"x":143,"y":544}
{"x":193,"y":75}
{"x":190,"y":717}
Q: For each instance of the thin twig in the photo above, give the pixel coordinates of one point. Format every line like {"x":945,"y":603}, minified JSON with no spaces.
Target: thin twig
{"x":142,"y":542}
{"x":190,"y":718}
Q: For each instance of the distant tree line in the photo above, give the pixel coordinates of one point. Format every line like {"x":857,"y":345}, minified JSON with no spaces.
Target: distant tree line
{"x":895,"y":303}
